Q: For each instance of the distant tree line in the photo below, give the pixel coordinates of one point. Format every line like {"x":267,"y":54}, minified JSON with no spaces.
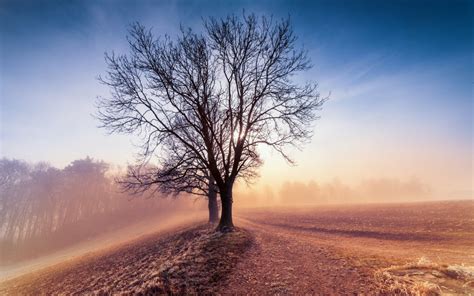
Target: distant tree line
{"x":373,"y":190}
{"x":42,"y":207}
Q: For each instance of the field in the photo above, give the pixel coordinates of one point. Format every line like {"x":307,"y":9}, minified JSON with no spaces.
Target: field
{"x":354,"y":249}
{"x":408,"y":249}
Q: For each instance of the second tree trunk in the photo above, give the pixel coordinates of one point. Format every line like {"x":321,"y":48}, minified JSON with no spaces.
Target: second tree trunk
{"x":212,"y":203}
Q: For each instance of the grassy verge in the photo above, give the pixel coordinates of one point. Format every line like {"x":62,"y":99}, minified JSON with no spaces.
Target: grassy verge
{"x":193,"y":261}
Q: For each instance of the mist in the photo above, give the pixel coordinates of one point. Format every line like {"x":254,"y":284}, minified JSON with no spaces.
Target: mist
{"x":236,"y":147}
{"x":298,"y":193}
{"x":44,"y":209}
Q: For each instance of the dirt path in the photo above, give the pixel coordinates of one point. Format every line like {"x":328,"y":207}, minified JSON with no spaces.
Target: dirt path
{"x":281,"y":262}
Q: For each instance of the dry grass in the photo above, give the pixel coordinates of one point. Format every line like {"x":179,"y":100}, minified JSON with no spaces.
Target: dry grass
{"x":425,"y":278}
{"x":191,"y":262}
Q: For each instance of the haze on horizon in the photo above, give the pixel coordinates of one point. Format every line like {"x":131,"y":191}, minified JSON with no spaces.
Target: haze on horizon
{"x":399,"y":76}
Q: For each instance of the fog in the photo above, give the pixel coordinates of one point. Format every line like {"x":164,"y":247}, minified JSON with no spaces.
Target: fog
{"x":44,"y":209}
{"x":297,"y":193}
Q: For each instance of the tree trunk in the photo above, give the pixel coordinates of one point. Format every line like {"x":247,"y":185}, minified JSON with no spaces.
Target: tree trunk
{"x":226,"y":224}
{"x":212,"y":202}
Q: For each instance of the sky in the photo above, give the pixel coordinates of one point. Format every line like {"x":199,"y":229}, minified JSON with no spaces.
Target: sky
{"x":399,"y":75}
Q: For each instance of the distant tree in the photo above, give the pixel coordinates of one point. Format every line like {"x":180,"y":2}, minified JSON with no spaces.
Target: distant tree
{"x":204,"y":102}
{"x":14,"y":174}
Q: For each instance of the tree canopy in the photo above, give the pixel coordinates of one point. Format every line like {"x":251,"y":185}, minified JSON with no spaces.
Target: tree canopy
{"x":203,"y":102}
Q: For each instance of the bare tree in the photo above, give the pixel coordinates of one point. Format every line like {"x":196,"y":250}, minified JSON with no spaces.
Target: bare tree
{"x":203,"y":103}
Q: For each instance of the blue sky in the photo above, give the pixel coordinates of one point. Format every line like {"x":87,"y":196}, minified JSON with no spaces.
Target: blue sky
{"x":400,"y":75}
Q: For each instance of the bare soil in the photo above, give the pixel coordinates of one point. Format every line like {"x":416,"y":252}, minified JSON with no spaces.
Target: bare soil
{"x":404,"y":249}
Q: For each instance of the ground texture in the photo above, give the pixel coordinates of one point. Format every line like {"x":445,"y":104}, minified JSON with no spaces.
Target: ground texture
{"x":192,"y":261}
{"x":408,"y":249}
{"x":411,"y":249}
